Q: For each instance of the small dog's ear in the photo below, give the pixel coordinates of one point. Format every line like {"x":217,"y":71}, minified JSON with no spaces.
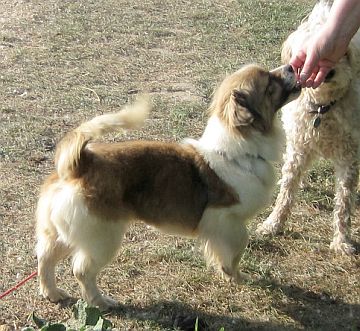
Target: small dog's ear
{"x":242,"y":114}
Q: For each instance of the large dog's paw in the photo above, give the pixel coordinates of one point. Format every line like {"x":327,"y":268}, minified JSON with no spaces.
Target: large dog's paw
{"x":54,"y":295}
{"x":269,"y":227}
{"x":342,"y":247}
{"x":238,"y":276}
{"x":243,"y":277}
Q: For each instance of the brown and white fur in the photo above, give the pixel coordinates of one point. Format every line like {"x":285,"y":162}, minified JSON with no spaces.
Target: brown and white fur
{"x":207,"y":188}
{"x":337,"y":138}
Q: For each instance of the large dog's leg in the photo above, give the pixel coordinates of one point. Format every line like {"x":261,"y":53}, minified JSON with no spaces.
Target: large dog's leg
{"x":225,"y":238}
{"x":96,"y":248}
{"x":296,"y":162}
{"x":50,"y":251}
{"x":347,"y":176}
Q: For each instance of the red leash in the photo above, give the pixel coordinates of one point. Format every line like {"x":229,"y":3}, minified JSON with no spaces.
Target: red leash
{"x":18,"y":285}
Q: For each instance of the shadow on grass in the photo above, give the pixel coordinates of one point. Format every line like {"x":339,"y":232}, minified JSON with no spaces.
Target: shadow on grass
{"x":176,"y":315}
{"x":313,"y":311}
{"x":269,"y":244}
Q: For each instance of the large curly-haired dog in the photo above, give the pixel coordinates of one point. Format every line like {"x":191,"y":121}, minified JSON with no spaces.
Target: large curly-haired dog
{"x":207,"y":188}
{"x":322,"y":122}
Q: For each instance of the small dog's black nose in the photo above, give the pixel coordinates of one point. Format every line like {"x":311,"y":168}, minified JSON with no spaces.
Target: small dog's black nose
{"x":289,"y":68}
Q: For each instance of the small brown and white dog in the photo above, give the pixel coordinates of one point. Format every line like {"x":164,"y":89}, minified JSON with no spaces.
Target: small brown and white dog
{"x":207,"y":188}
{"x":322,"y":122}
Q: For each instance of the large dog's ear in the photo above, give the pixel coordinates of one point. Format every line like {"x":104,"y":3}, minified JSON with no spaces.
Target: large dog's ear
{"x":353,"y":53}
{"x":286,"y":52}
{"x":293,"y":41}
{"x":241,"y":114}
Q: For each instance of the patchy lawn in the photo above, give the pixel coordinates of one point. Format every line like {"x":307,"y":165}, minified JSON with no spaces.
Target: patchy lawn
{"x":65,"y":61}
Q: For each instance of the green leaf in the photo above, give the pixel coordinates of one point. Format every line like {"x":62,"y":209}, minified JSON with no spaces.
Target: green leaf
{"x":39,"y":322}
{"x":196,"y":324}
{"x":102,"y":324}
{"x":86,"y":315}
{"x":79,"y":310}
{"x":54,"y":327}
{"x":90,"y":316}
{"x":107,"y":324}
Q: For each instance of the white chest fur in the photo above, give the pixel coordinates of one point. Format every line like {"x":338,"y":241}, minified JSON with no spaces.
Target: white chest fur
{"x":244,"y":164}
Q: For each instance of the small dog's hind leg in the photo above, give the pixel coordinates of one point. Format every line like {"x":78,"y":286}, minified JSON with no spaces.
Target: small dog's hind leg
{"x":347,"y":176}
{"x":95,"y":250}
{"x":50,"y":251}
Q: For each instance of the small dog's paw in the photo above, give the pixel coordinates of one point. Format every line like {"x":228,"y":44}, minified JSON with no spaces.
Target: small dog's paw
{"x":342,"y":247}
{"x":55,"y":295}
{"x":104,"y":303}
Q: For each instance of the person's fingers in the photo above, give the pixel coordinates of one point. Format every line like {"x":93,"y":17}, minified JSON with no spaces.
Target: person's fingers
{"x":309,"y":67}
{"x":304,"y":79}
{"x":310,"y":81}
{"x":297,"y":60}
{"x":310,"y":78}
{"x":320,"y":77}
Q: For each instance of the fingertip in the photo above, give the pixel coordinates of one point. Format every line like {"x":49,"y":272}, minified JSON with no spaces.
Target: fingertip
{"x":300,"y":55}
{"x":320,"y":77}
{"x":309,"y":83}
{"x":317,"y":82}
{"x":297,"y":60}
{"x":303,"y":77}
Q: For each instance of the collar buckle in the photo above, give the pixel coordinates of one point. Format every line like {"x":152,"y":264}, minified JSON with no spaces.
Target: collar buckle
{"x":320,"y":110}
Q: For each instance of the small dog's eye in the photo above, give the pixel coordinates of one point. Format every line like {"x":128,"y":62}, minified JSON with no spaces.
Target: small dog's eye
{"x":330,"y":75}
{"x":270,"y":90}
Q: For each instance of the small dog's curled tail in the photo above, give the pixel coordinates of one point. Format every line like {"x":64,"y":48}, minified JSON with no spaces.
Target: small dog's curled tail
{"x":68,"y":151}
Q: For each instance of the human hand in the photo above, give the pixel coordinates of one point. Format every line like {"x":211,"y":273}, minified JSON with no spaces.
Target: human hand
{"x":315,"y":60}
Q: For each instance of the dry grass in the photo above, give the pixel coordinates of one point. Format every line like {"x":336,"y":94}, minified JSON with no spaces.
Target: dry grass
{"x":65,"y":61}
